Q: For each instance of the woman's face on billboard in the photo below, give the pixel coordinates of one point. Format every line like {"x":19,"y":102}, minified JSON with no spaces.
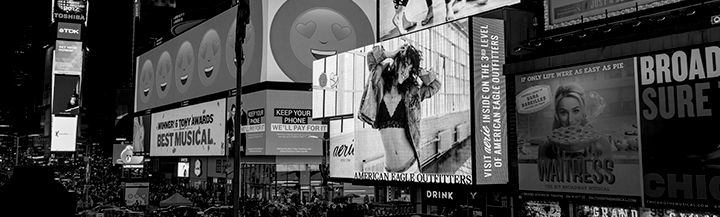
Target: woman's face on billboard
{"x":570,"y":112}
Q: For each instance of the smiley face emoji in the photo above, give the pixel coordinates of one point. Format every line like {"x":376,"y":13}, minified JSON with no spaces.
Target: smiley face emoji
{"x":163,"y":75}
{"x":146,"y":80}
{"x":307,"y":30}
{"x":184,"y":67}
{"x":209,"y":57}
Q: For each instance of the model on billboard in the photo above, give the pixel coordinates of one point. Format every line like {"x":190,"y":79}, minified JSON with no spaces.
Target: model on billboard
{"x":74,"y":102}
{"x":572,"y":135}
{"x":230,"y":125}
{"x":138,"y":134}
{"x":391,"y":103}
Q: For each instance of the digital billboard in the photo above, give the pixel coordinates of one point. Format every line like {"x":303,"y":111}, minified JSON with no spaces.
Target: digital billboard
{"x":141,"y":133}
{"x":65,"y":95}
{"x":70,"y":10}
{"x":302,"y":31}
{"x":489,"y":92}
{"x":69,"y":31}
{"x":410,"y":98}
{"x":253,"y":105}
{"x":196,"y":63}
{"x":63,"y":133}
{"x":400,"y":17}
{"x":577,"y":133}
{"x":342,"y":148}
{"x":68,"y":57}
{"x":678,"y":99}
{"x":195,"y":130}
{"x":124,"y":154}
{"x":563,"y":13}
{"x":137,"y":193}
{"x":280,"y":123}
{"x":183,"y":168}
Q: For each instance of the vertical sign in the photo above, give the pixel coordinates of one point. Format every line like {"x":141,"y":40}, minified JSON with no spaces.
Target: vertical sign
{"x":679,"y":101}
{"x":490,"y":112}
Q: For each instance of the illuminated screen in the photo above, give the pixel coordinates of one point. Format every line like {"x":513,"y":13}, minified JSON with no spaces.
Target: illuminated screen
{"x":68,"y":57}
{"x":411,"y":131}
{"x":66,"y":99}
{"x":63,"y":133}
{"x":563,"y":13}
{"x":183,"y":169}
{"x":405,"y":13}
{"x":196,"y":130}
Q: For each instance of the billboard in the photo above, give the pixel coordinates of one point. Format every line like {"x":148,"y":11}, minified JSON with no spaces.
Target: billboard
{"x":66,"y":98}
{"x":577,"y":132}
{"x":63,"y":133}
{"x":141,"y":133}
{"x":70,"y":10}
{"x":68,"y":57}
{"x":69,"y":31}
{"x":678,"y":94}
{"x":137,"y":193}
{"x":489,"y":92}
{"x":196,"y":130}
{"x":291,"y":130}
{"x":253,"y":105}
{"x":123,"y":154}
{"x":563,"y":13}
{"x":302,"y":31}
{"x":402,"y":16}
{"x":413,"y":123}
{"x":196,"y":63}
{"x":342,"y":148}
{"x":183,"y":169}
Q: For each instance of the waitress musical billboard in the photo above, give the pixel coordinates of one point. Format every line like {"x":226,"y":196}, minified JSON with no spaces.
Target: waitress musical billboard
{"x":679,"y":104}
{"x":577,"y":133}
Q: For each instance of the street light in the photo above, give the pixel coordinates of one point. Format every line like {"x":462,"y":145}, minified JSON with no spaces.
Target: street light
{"x":17,"y":144}
{"x":324,"y":167}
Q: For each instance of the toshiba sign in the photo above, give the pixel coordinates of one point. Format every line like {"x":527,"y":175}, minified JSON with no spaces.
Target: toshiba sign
{"x":69,"y":31}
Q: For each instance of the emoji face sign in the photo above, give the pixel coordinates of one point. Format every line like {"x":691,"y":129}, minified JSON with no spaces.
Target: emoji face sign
{"x":307,"y":30}
{"x":127,"y":154}
{"x":146,"y":80}
{"x":184,"y":67}
{"x":209,"y":57}
{"x":163,"y":75}
{"x":248,"y":48}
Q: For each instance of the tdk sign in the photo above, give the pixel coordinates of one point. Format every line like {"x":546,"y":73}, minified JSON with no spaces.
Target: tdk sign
{"x":69,"y":31}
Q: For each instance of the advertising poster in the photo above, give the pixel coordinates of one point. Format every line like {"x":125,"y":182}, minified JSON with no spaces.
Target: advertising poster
{"x":291,"y":128}
{"x":124,"y":154}
{"x":342,"y":148}
{"x":68,"y":58}
{"x":66,"y":98}
{"x":70,"y":10}
{"x":562,"y":13}
{"x":141,"y":133}
{"x":253,"y":104}
{"x":403,"y":16}
{"x":63,"y":133}
{"x":302,"y":31}
{"x":541,"y":208}
{"x":196,"y":130}
{"x":490,"y":111}
{"x":69,"y":31}
{"x":183,"y":169}
{"x":413,"y":121}
{"x":137,"y":193}
{"x":577,"y":133}
{"x":679,"y":101}
{"x":234,"y":114}
{"x":196,"y":63}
